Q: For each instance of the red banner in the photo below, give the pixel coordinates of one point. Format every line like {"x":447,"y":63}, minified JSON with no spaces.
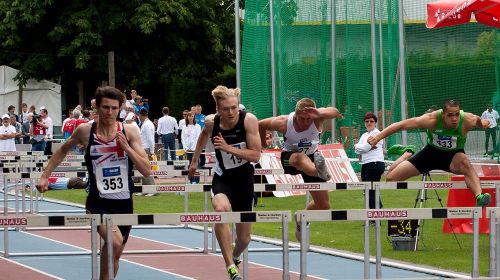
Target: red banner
{"x":452,"y":12}
{"x":336,"y":160}
{"x":464,"y":198}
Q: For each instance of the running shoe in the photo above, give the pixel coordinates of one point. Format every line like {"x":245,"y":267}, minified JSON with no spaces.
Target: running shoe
{"x":397,"y":150}
{"x":410,"y":148}
{"x":236,"y":261}
{"x":319,"y":162}
{"x":298,"y":231}
{"x":233,"y":273}
{"x":483,"y":199}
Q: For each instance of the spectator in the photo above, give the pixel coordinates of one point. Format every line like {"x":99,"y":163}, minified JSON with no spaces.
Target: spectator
{"x":12,"y":111}
{"x":200,"y":119}
{"x":50,"y":129}
{"x":24,"y":113}
{"x":492,"y":116}
{"x":26,"y":128}
{"x":371,"y":158}
{"x":38,"y":131}
{"x":18,"y":127}
{"x":182,"y":125}
{"x":69,"y":125}
{"x":167,"y":127}
{"x":147,"y":133}
{"x":190,"y":136}
{"x":7,"y":135}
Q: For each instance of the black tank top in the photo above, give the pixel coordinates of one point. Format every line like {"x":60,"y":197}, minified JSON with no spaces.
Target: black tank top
{"x":237,"y":137}
{"x":109,"y":167}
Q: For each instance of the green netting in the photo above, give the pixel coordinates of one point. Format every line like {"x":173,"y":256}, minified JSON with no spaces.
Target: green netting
{"x":450,"y":63}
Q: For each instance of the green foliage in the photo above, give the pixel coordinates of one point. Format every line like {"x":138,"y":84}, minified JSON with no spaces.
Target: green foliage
{"x":152,"y":40}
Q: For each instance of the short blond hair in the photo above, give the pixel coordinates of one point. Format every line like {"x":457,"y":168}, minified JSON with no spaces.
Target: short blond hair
{"x":222,"y":92}
{"x":305,"y":102}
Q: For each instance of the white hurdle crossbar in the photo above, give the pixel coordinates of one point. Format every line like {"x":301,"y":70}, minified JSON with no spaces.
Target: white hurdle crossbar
{"x":92,"y":220}
{"x":387,"y":214}
{"x":283,"y":217}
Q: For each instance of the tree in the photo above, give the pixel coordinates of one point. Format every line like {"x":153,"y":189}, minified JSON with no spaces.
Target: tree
{"x":154,"y":41}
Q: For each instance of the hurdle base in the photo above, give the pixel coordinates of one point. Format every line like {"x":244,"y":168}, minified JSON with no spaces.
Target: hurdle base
{"x":403,"y":243}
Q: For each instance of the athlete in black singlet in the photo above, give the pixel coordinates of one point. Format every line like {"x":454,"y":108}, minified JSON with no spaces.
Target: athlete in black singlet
{"x":235,"y":136}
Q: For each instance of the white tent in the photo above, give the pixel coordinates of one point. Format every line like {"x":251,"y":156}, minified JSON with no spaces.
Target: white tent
{"x":39,"y":93}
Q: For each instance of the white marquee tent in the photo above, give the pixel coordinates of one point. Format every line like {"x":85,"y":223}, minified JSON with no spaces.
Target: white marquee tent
{"x":39,"y":93}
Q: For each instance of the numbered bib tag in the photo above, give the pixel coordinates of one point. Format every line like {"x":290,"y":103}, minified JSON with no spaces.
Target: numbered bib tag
{"x":444,"y":142}
{"x":231,"y":161}
{"x":111,"y":179}
{"x":306,"y":147}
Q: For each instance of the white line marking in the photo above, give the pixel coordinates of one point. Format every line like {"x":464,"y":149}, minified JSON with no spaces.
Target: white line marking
{"x":32,"y":268}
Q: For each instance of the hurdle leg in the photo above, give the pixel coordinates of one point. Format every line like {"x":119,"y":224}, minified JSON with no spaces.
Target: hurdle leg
{"x":286,"y":249}
{"x":303,"y":247}
{"x":475,"y":244}
{"x":93,"y":245}
{"x":378,"y":242}
{"x":109,"y":246}
{"x":366,"y":263}
{"x":491,"y":270}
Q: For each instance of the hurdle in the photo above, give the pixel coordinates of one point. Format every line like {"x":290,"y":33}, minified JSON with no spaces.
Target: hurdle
{"x":283,"y":217}
{"x":493,"y":213}
{"x":386,"y":214}
{"x":23,"y":176}
{"x":92,"y":220}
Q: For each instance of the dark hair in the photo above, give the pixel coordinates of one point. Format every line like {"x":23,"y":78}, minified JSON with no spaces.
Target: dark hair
{"x":450,"y":103}
{"x":108,"y":92}
{"x":370,"y":115}
{"x":143,"y":112}
{"x":165,"y":110}
{"x":11,"y":107}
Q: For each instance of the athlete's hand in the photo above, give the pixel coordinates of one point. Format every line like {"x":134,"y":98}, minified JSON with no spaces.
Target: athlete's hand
{"x":372,"y":140}
{"x":122,"y":140}
{"x":485,"y":123}
{"x":312,"y":112}
{"x":192,"y":169}
{"x":220,"y":143}
{"x":43,"y":184}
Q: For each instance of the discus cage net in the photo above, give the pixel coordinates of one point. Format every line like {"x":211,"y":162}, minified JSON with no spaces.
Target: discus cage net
{"x":459,"y":63}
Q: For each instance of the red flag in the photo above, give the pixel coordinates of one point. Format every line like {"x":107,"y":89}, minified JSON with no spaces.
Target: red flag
{"x":453,"y":12}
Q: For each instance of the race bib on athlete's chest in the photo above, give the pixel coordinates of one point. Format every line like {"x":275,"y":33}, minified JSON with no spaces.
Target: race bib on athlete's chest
{"x":306,"y":147}
{"x":112,"y":179}
{"x":444,"y":142}
{"x":231,"y":161}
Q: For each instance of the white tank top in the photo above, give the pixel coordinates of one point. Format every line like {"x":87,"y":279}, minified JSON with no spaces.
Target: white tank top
{"x":305,"y":142}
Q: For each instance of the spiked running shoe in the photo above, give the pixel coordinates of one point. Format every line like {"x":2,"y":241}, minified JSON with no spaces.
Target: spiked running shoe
{"x":482,"y":200}
{"x":319,"y":162}
{"x":233,"y":273}
{"x":236,"y":261}
{"x":410,"y":148}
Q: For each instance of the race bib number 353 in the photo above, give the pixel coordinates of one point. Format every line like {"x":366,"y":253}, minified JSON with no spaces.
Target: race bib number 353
{"x":111,"y":179}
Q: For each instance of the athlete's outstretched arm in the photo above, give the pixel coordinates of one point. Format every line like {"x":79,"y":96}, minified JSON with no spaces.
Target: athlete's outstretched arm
{"x":132,"y":145}
{"x":202,"y":142}
{"x":271,"y":124}
{"x":427,"y":121}
{"x":60,"y":154}
{"x":323,"y":113}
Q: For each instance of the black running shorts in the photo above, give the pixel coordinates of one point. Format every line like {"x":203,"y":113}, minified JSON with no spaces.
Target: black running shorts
{"x":111,"y":206}
{"x":431,"y":158}
{"x":285,"y":157}
{"x":237,"y":185}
